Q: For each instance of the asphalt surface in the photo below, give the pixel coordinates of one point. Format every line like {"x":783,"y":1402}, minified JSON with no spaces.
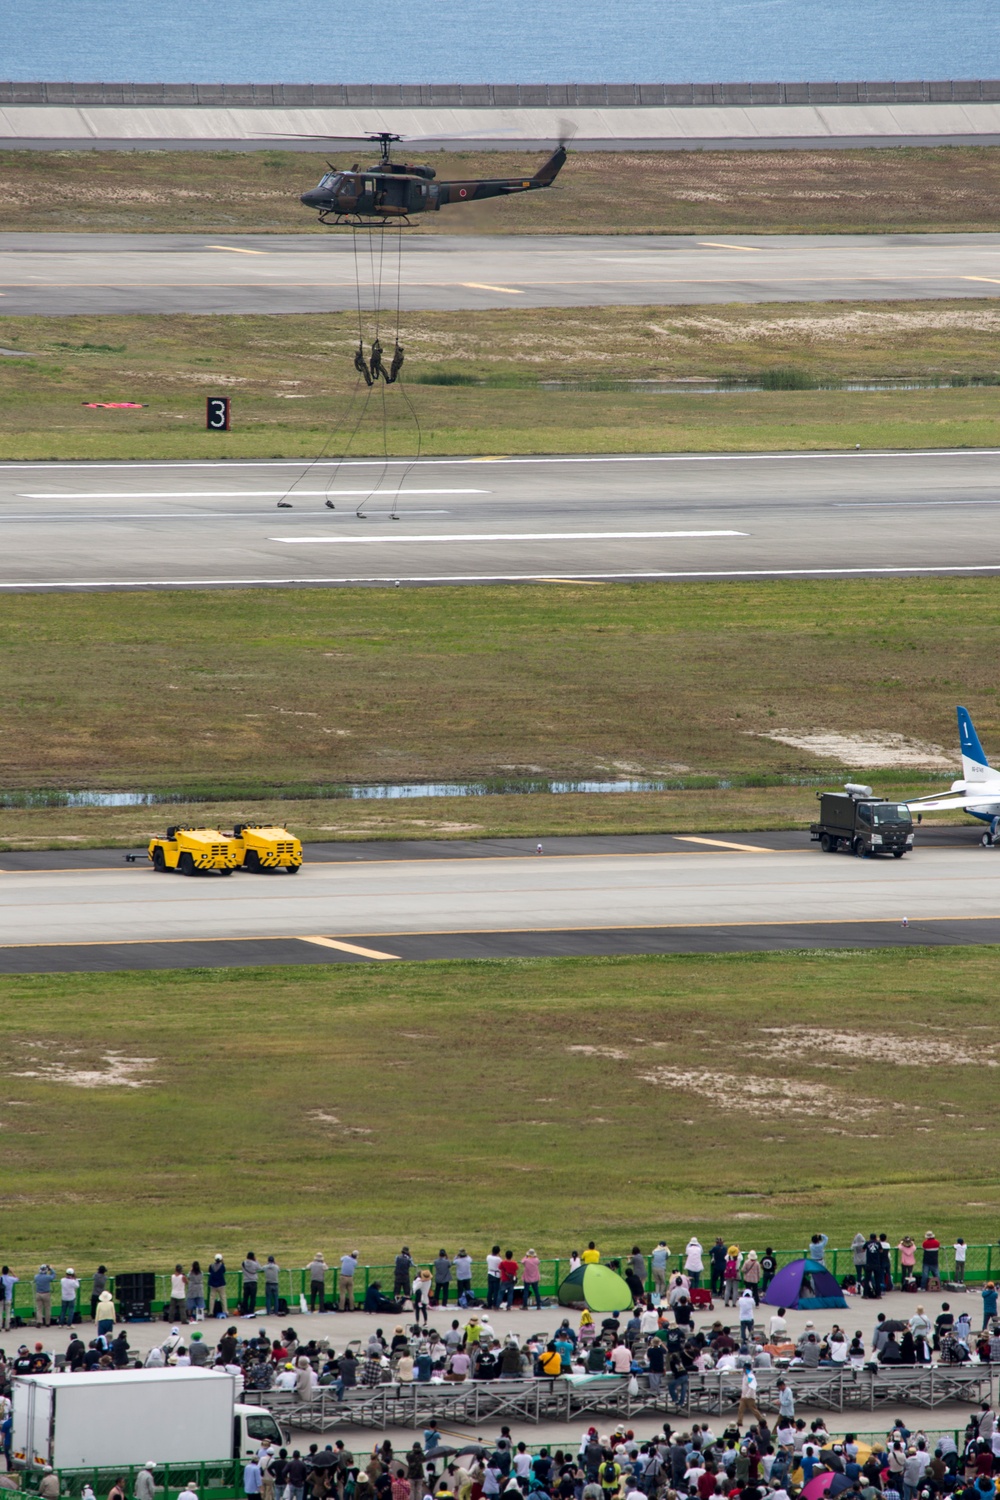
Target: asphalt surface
{"x":672,"y":894}
{"x":100,"y":525}
{"x":93,"y":273}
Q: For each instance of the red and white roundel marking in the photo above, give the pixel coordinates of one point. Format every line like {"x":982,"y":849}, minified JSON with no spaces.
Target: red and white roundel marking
{"x":462,"y":193}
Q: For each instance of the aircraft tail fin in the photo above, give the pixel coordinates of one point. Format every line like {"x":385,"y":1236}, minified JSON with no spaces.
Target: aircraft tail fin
{"x":975,"y":766}
{"x":549,"y":171}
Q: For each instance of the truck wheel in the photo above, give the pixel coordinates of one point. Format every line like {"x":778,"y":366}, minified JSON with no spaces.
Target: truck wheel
{"x":825,"y":844}
{"x":898,"y":853}
{"x":186,"y":863}
{"x":294,"y":869}
{"x":251,"y":861}
{"x":159,"y":863}
{"x":859,"y":848}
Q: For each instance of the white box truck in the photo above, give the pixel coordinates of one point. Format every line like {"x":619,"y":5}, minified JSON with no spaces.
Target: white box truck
{"x":106,"y":1419}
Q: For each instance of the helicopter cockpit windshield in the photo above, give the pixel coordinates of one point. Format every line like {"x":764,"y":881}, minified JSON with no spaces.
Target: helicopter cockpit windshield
{"x":331,"y":180}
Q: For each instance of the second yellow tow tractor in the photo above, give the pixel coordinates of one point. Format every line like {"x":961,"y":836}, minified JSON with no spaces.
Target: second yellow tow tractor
{"x":265,"y":847}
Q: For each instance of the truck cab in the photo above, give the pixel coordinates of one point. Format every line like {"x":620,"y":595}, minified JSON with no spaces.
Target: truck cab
{"x":251,"y":1425}
{"x":858,"y":822}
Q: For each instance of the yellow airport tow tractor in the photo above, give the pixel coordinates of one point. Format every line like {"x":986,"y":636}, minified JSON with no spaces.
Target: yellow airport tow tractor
{"x":190,"y":850}
{"x":261,"y":847}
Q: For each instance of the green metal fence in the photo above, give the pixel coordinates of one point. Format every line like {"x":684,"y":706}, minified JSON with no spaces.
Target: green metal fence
{"x":212,"y":1481}
{"x":982,"y":1265}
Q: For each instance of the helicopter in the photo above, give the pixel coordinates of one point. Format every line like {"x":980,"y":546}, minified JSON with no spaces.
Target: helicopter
{"x":392,"y":192}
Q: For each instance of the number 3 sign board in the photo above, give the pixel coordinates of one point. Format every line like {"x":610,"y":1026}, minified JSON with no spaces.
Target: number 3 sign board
{"x":217,"y":413}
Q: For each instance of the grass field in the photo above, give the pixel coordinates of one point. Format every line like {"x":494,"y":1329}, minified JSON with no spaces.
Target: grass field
{"x":293,"y":383}
{"x":761,"y":1097}
{"x":239,"y":693}
{"x":605,"y":192}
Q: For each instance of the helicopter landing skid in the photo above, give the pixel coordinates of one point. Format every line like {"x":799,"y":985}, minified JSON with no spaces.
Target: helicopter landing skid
{"x":362,"y":221}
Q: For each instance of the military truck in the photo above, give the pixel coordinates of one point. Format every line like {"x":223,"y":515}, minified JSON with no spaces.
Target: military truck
{"x":261,"y":847}
{"x":860,"y":823}
{"x":191,"y":850}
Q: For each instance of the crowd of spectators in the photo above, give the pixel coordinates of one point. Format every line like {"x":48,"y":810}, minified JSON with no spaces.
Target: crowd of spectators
{"x":762,"y":1463}
{"x":723,"y":1268}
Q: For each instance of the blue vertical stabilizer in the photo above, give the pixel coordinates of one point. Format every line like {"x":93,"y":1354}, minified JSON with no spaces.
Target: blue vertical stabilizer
{"x":975,"y":766}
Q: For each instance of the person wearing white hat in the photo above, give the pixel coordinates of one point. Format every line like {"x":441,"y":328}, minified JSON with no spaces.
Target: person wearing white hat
{"x":69,"y":1286}
{"x":171,"y":1342}
{"x":145,"y":1484}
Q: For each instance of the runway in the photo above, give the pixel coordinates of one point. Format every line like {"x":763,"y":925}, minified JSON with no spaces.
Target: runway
{"x":56,"y":274}
{"x":684,"y":893}
{"x":506,"y":520}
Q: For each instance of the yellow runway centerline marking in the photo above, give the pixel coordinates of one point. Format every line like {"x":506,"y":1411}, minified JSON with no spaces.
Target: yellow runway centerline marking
{"x":236,"y":249}
{"x":717,"y":245}
{"x":590,"y":583}
{"x":994,"y":279}
{"x":690,"y":838}
{"x":482,"y":286}
{"x":325,"y":942}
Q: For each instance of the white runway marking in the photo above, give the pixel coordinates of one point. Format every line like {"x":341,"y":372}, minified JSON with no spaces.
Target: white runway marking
{"x":446,"y":578}
{"x":849,"y":455}
{"x":500,"y":536}
{"x":292,"y":493}
{"x":40,"y":517}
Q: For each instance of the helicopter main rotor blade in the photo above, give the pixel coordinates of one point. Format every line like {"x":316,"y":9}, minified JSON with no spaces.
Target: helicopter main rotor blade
{"x":504,"y":138}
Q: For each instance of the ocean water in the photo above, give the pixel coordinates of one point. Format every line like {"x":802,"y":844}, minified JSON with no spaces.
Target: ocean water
{"x":486,"y":41}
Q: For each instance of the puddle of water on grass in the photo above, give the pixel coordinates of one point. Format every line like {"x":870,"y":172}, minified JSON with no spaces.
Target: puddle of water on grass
{"x":353,"y":793}
{"x":697,"y":387}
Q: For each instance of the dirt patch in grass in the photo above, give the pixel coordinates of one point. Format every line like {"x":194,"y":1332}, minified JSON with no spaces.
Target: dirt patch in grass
{"x":899,"y":1050}
{"x":112,"y":1070}
{"x":748,"y":1093}
{"x":868,"y":750}
{"x":601,"y":192}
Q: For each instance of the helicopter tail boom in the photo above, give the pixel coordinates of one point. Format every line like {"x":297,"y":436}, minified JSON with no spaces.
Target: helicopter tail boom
{"x":501,"y":187}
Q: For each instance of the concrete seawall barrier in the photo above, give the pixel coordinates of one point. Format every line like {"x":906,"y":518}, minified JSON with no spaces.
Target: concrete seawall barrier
{"x":758,"y":116}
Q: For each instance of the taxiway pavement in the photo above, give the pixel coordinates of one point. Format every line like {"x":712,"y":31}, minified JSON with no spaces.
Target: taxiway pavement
{"x":56,"y":274}
{"x":104,"y":525}
{"x":711,"y":893}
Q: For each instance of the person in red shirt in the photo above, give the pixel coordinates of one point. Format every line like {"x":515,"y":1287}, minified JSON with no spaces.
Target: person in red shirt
{"x":929,"y":1265}
{"x":508,"y":1280}
{"x":708,"y":1483}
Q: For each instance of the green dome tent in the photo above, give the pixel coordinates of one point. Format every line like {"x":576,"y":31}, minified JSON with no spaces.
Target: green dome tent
{"x":596,"y":1287}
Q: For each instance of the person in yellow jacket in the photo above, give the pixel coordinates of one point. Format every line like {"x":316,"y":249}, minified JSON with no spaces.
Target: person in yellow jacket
{"x":591,"y":1255}
{"x":550,"y":1360}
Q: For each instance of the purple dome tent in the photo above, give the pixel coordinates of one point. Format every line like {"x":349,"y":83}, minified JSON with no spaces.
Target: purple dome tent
{"x":804,"y":1283}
